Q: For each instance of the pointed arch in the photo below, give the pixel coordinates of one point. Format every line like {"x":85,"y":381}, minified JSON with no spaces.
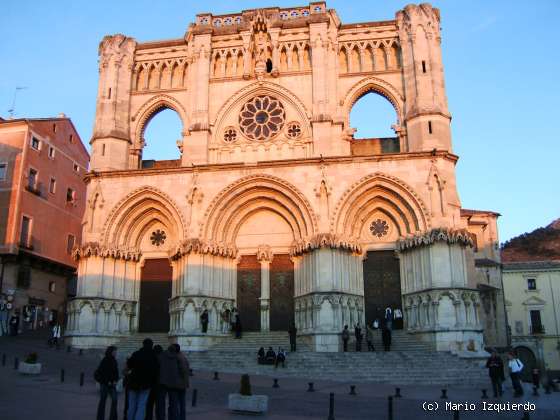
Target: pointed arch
{"x":133,"y":214}
{"x":383,"y":193}
{"x":239,"y":200}
{"x":342,"y":61}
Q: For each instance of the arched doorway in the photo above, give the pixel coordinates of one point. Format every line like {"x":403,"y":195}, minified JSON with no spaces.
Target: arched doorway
{"x":155,"y":292}
{"x":529,"y":361}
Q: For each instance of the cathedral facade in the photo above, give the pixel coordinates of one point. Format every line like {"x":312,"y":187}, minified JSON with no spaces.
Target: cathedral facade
{"x":273,"y":207}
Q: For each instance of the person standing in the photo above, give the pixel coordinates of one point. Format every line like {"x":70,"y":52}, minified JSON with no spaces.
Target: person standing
{"x":173,"y":375}
{"x":292,"y":333}
{"x":386,"y":338}
{"x":204,"y":320}
{"x":3,"y":316}
{"x":185,"y":367}
{"x":107,"y":375}
{"x":389,"y":318}
{"x":154,"y":391}
{"x":358,"y":335}
{"x":143,"y":366}
{"x":226,"y":322}
{"x":56,"y":333}
{"x":369,"y":338}
{"x":495,"y":368}
{"x":345,"y":338}
{"x":515,"y":368}
{"x":238,"y":328}
{"x":14,"y":323}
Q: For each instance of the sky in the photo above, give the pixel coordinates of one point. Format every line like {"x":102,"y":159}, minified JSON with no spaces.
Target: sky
{"x":501,"y":63}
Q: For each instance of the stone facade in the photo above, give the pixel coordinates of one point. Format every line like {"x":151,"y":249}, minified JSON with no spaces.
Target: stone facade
{"x":269,"y":167}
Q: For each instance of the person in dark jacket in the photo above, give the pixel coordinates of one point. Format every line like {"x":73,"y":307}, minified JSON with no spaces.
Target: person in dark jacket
{"x":260,"y":356}
{"x":358,"y":335}
{"x":14,"y":323}
{"x":495,"y":367}
{"x":345,"y":338}
{"x":293,"y":334}
{"x":107,"y":374}
{"x":143,"y":366}
{"x":183,"y":391}
{"x":154,"y":391}
{"x":386,"y":338}
{"x":237,"y":327}
{"x":204,"y":321}
{"x":173,"y":378}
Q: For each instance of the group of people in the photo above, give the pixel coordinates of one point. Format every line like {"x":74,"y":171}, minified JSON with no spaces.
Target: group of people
{"x":151,"y":376}
{"x":231,"y":322}
{"x":271,"y":357}
{"x":495,"y":367}
{"x":370,"y":331}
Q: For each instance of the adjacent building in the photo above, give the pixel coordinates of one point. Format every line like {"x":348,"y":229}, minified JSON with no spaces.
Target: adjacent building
{"x":42,"y":202}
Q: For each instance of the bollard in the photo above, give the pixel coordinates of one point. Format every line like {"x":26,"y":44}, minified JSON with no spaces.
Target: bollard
{"x":398,"y":393}
{"x":456,"y":415}
{"x":4,"y":359}
{"x":194,"y":394}
{"x":216,"y":377}
{"x":444,"y":394}
{"x":16,"y":363}
{"x":484,"y":394}
{"x":68,"y":349}
{"x":526,"y":416}
{"x":191,"y":372}
{"x":390,"y":409}
{"x":310,"y":389}
{"x":82,"y":377}
{"x":547,"y":389}
{"x":275,"y":385}
{"x":352,"y":390}
{"x":81,"y":352}
{"x":61,"y":375}
{"x":535,"y":391}
{"x":331,"y":406}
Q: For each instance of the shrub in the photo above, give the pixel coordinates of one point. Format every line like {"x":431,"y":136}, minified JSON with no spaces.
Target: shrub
{"x":31,"y":358}
{"x":245,"y":385}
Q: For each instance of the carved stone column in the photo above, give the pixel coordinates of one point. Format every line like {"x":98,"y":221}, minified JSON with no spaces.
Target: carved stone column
{"x":264,"y":256}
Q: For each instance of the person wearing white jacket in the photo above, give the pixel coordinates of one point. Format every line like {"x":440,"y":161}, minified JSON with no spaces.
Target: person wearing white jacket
{"x":515,"y":368}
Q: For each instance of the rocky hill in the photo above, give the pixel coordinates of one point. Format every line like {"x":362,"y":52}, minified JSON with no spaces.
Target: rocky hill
{"x":538,"y":245}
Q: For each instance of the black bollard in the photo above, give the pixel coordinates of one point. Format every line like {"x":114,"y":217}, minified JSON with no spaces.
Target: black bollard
{"x":398,"y":393}
{"x":456,"y":415}
{"x":82,"y":377}
{"x":331,"y":406}
{"x":484,"y":394}
{"x":390,"y":409}
{"x":81,"y":352}
{"x":275,"y":384}
{"x":444,"y":394}
{"x":4,"y":359}
{"x":68,"y":349}
{"x":535,"y":391}
{"x":526,"y":416}
{"x":310,"y":388}
{"x":191,"y":372}
{"x":216,"y":377}
{"x":352,"y":390}
{"x":547,"y":389}
{"x":61,"y":375}
{"x":16,"y":363}
{"x":194,"y":394}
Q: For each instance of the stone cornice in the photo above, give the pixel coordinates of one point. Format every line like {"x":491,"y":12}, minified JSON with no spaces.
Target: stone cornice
{"x":325,"y":240}
{"x":94,"y":249}
{"x":451,"y":236}
{"x":197,"y":246}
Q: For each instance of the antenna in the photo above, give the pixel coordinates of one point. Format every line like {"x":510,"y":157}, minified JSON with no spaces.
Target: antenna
{"x":11,"y":111}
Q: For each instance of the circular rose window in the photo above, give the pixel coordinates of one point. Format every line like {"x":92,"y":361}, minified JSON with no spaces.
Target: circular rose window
{"x":262,"y":118}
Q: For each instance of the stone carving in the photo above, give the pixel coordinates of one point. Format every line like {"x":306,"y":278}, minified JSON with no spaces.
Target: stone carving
{"x":325,"y":240}
{"x":379,"y":228}
{"x":451,"y":236}
{"x":197,"y":246}
{"x":264,"y":253}
{"x":95,"y":249}
{"x":158,"y":237}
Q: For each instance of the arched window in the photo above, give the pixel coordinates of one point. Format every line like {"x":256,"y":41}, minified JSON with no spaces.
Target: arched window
{"x":372,"y":116}
{"x":160,"y":135}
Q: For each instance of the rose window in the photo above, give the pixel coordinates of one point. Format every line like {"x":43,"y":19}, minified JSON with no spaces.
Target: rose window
{"x":262,"y":118}
{"x":294,"y":130}
{"x":158,"y":237}
{"x":230,"y":135}
{"x":379,"y":228}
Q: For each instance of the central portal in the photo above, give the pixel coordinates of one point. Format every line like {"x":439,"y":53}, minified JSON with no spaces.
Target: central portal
{"x":155,"y":291}
{"x":249,"y":292}
{"x":281,"y":293}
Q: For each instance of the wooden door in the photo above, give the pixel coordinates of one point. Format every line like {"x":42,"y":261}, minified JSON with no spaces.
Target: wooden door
{"x":249,"y":292}
{"x":281,"y":293}
{"x":155,"y":291}
{"x":382,"y":285}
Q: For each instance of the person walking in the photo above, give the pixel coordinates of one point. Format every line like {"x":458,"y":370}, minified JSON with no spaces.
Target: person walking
{"x":173,"y":377}
{"x":154,"y":390}
{"x":358,"y":335}
{"x":495,"y":368}
{"x":345,"y":338}
{"x":183,"y":361}
{"x":56,"y":333}
{"x":143,"y":366}
{"x":14,"y":323}
{"x":386,"y":338}
{"x":204,"y":320}
{"x":515,"y":368}
{"x":107,"y":375}
{"x":369,"y":338}
{"x":292,"y":333}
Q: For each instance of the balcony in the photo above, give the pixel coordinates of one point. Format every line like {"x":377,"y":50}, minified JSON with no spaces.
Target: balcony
{"x":33,"y":190}
{"x":536,"y":329}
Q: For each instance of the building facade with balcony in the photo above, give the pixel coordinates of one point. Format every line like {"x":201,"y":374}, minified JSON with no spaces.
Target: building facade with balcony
{"x":42,"y":201}
{"x":532,"y":292}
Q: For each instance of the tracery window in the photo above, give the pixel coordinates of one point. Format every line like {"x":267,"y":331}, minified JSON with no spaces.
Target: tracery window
{"x":158,"y":237}
{"x":293,"y":130}
{"x":379,"y":228}
{"x":230,"y":135}
{"x":262,"y":118}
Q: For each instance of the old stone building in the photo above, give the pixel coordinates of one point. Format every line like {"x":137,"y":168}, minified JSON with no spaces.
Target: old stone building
{"x":273,"y":207}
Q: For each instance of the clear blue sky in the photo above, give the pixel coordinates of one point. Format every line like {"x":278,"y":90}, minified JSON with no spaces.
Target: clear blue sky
{"x":501,"y":60}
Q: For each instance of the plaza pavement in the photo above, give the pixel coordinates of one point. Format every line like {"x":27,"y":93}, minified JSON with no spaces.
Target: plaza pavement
{"x":44,"y":397}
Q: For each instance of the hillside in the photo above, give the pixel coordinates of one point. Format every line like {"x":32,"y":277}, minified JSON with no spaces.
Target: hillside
{"x":538,"y":245}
